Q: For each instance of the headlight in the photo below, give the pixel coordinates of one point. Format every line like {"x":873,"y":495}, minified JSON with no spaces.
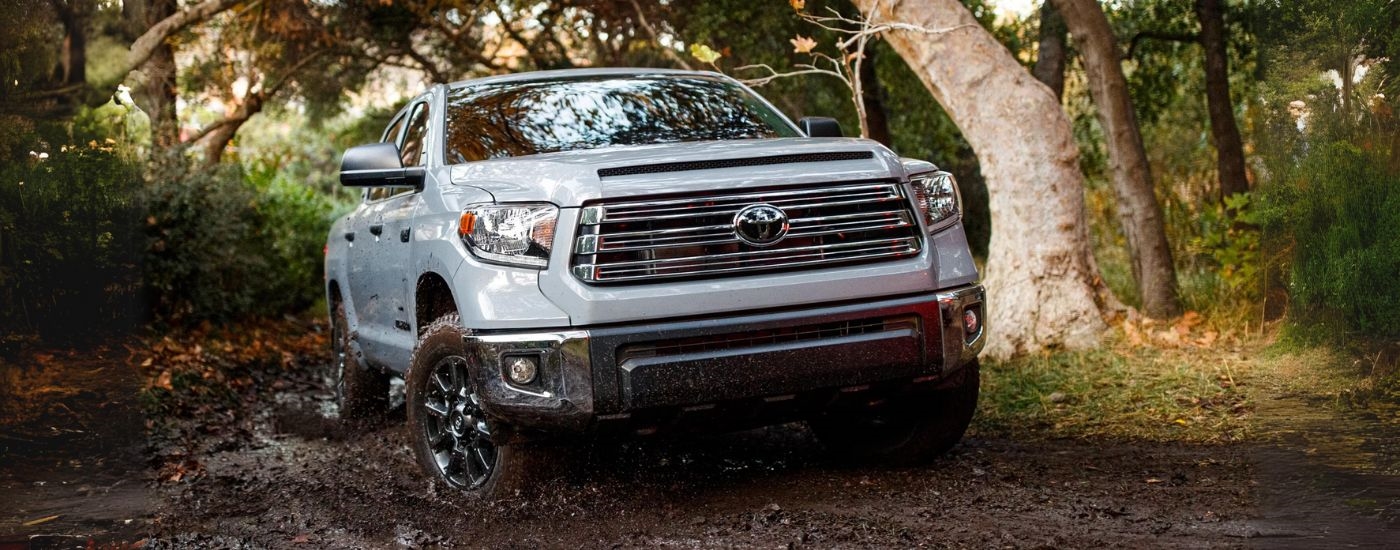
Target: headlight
{"x":511,"y":234}
{"x":936,"y":193}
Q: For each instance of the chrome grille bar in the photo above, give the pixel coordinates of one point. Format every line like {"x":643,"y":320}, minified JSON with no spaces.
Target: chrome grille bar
{"x":694,"y":237}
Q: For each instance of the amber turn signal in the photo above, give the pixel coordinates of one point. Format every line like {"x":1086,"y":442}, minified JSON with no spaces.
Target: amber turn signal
{"x":467,"y":223}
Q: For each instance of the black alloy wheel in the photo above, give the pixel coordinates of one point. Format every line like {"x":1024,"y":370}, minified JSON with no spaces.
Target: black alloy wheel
{"x":455,"y":428}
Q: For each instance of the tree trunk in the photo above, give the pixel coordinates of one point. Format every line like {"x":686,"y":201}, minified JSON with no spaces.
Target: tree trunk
{"x":159,"y":85}
{"x":1043,"y":290}
{"x":74,"y":17}
{"x":1052,"y":50}
{"x":877,"y":124}
{"x":1228,"y":147}
{"x":1138,"y":212}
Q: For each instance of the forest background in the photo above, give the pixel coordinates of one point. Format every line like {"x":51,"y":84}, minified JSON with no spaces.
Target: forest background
{"x":204,"y":195}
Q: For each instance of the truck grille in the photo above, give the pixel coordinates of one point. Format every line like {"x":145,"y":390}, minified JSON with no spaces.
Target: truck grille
{"x":644,"y":240}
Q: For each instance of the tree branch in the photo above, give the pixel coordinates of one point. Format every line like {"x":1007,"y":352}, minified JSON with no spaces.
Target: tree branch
{"x":655,"y":37}
{"x":145,"y":46}
{"x":1164,"y":36}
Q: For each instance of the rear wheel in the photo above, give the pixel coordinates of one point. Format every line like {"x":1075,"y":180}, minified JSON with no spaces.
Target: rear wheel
{"x":454,"y":440}
{"x":911,"y":429}
{"x":362,"y":393}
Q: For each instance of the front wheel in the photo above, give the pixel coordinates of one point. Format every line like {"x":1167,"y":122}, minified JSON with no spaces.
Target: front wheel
{"x":909,"y":430}
{"x":454,"y":440}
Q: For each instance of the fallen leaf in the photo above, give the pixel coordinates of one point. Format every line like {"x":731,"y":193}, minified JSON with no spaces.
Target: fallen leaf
{"x":1208,"y":338}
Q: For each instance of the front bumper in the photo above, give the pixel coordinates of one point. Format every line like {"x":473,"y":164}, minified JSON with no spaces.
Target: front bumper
{"x":601,"y":375}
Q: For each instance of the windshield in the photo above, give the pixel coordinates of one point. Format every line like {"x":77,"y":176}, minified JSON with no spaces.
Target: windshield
{"x":510,"y":119}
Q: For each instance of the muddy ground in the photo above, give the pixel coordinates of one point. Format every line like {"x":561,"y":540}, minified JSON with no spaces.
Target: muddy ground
{"x":273,"y":470}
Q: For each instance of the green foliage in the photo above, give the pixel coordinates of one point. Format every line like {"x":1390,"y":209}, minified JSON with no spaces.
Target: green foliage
{"x":295,"y":221}
{"x":1338,"y":213}
{"x":228,"y":243}
{"x":1230,"y":237}
{"x":206,"y":260}
{"x":70,"y":243}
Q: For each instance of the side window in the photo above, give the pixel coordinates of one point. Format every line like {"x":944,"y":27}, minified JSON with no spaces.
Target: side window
{"x":414,"y":141}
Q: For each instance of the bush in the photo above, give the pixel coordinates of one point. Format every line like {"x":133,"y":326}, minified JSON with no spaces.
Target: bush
{"x":226,"y":244}
{"x":1338,"y":215}
{"x":70,"y":243}
{"x":295,"y":221}
{"x":205,"y":260}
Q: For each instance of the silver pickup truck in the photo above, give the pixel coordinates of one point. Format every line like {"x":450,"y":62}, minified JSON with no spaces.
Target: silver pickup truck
{"x":609,"y":252}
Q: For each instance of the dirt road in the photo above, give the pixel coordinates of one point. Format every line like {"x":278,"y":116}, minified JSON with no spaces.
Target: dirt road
{"x":276,"y":472}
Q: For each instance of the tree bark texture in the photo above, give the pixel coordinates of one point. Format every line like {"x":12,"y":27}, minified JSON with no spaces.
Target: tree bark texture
{"x":1139,"y":214}
{"x":158,"y":64}
{"x":1052,"y":50}
{"x":74,"y":17}
{"x":1229,"y":149}
{"x":1043,"y":289}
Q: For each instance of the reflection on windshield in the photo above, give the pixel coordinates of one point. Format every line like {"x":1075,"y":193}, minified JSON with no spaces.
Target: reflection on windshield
{"x":510,"y":119}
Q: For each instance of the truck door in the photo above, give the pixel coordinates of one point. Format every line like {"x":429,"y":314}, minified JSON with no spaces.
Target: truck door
{"x":375,"y":248}
{"x":391,"y":232}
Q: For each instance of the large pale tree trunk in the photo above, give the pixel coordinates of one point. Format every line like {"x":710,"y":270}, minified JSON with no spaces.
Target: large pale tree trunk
{"x":1139,"y":214}
{"x":1043,"y":290}
{"x":1229,"y":149}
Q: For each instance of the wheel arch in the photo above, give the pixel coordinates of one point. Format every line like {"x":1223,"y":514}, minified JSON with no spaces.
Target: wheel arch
{"x":432,"y":298}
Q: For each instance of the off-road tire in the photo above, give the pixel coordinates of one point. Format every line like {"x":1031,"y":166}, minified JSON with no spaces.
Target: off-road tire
{"x":912,"y":429}
{"x":518,"y":467}
{"x":363,"y":393}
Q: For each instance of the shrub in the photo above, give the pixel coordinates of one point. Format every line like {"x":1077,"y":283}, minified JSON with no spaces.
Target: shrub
{"x":226,"y":243}
{"x":70,"y":243}
{"x":295,"y":220}
{"x":204,"y":260}
{"x":1338,"y":215}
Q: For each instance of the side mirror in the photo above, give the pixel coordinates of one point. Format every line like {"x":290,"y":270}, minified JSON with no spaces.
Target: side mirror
{"x":819,"y":126}
{"x":377,"y":165}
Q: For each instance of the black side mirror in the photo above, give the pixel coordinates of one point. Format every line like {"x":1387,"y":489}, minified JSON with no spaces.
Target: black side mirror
{"x":377,"y":165}
{"x":819,"y":126}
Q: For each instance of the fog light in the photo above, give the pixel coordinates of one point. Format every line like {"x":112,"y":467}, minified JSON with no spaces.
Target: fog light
{"x":970,"y":322}
{"x":522,"y":370}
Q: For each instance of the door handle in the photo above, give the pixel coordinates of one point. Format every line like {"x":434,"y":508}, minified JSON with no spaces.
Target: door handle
{"x":405,"y":234}
{"x":350,"y":236}
{"x":377,"y":229}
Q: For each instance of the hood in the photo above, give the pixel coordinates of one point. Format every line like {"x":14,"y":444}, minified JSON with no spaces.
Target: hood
{"x":571,"y":178}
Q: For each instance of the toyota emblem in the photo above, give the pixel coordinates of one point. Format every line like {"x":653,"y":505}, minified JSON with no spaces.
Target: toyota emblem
{"x":761,"y":224}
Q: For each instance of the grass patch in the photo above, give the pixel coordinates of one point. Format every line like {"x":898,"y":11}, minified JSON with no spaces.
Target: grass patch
{"x":1349,"y":377}
{"x":1117,"y":392}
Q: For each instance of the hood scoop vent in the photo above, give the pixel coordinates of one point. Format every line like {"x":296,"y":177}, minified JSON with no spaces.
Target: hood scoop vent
{"x":731,"y":163}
